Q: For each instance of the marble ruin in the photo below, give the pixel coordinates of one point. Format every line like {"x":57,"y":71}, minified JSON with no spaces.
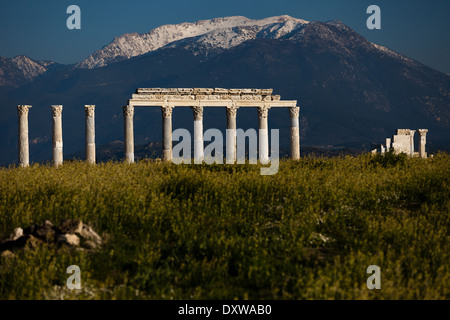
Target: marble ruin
{"x":168,"y":99}
{"x":403,"y":142}
{"x":199,"y":98}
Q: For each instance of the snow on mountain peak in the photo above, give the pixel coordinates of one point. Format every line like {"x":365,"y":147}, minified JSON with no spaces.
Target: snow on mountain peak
{"x":30,"y":68}
{"x":222,"y":33}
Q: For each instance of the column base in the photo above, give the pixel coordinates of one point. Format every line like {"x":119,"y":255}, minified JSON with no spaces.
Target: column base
{"x":167,"y":155}
{"x":129,"y":157}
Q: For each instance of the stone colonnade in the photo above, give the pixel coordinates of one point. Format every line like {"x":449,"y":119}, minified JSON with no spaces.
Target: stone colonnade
{"x":57,"y":136}
{"x":168,"y":99}
{"x":197,"y":99}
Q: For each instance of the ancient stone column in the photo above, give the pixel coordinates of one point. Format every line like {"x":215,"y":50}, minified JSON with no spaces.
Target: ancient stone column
{"x":383,"y":150}
{"x":90,"y":133}
{"x":388,"y":144}
{"x":423,"y":142}
{"x":57,"y":135}
{"x":198,"y":135}
{"x":24,"y":155}
{"x":412,"y":132}
{"x":167,"y":132}
{"x":295,"y":133}
{"x":128,"y":114}
{"x":231,"y":134}
{"x":263,"y":134}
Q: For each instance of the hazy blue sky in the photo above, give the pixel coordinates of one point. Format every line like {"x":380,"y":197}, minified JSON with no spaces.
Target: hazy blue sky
{"x":37,"y":28}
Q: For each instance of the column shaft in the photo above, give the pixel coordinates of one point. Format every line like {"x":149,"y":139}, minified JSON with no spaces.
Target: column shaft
{"x":57,"y":135}
{"x":295,"y":133}
{"x":128,"y":114}
{"x":167,"y":133}
{"x":90,"y":133}
{"x":24,"y":155}
{"x":198,"y":135}
{"x":231,"y":134}
{"x":263,"y":134}
{"x":412,"y":132}
{"x":423,"y":142}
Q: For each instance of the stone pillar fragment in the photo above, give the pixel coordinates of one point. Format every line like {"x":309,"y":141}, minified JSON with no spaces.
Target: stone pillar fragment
{"x":423,"y":142}
{"x":263,"y":134}
{"x":167,"y":132}
{"x":412,"y":132}
{"x":57,"y":135}
{"x":231,"y":134}
{"x":24,"y":155}
{"x":295,"y":133}
{"x":388,"y":144}
{"x":128,"y":114}
{"x":90,"y":133}
{"x":198,"y":135}
{"x":383,"y":150}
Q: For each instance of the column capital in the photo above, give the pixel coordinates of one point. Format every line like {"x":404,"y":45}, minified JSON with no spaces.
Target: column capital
{"x":23,"y":110}
{"x":89,"y":110}
{"x":423,"y":132}
{"x":232,"y":110}
{"x":128,"y":111}
{"x":198,"y":112}
{"x":57,"y":110}
{"x":294,"y":112}
{"x":263,"y":111}
{"x":167,"y":111}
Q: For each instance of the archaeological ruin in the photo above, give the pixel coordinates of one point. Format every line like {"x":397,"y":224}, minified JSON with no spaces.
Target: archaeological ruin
{"x":167,"y":100}
{"x":199,"y":98}
{"x":403,"y":142}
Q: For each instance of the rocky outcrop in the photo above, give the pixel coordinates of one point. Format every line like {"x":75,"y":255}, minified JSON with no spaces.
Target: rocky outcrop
{"x":70,"y":233}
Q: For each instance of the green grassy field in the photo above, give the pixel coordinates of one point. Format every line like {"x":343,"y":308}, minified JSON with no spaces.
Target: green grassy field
{"x":225,"y":232}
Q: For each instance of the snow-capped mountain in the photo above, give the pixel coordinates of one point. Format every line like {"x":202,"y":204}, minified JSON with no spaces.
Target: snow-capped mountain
{"x":219,"y":33}
{"x":20,"y":69}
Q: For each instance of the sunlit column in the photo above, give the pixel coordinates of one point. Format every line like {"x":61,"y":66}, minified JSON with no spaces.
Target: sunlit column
{"x":167,"y":132}
{"x":24,"y":155}
{"x":57,"y":135}
{"x":423,"y":142}
{"x":231,"y":134}
{"x":90,"y":133}
{"x":128,"y":114}
{"x":198,"y":135}
{"x":263,"y":134}
{"x":295,"y":133}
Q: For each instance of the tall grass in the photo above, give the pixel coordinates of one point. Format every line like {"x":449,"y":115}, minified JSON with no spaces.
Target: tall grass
{"x":219,"y":231}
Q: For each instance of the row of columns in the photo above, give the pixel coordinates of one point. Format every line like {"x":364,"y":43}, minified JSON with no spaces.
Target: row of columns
{"x":231,"y":148}
{"x":57,"y":137}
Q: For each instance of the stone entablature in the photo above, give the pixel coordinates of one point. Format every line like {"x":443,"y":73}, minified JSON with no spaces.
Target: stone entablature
{"x":205,"y":94}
